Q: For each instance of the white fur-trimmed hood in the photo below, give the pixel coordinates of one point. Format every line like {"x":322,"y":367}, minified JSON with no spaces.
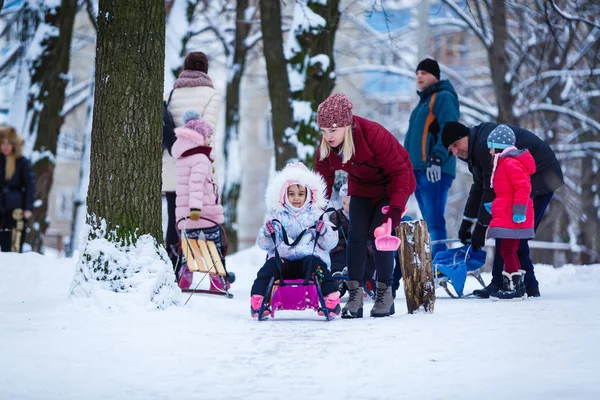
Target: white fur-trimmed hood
{"x":292,"y":174}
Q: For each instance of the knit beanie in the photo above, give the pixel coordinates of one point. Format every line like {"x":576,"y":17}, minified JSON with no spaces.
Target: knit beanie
{"x":431,"y":66}
{"x":335,"y":112}
{"x":452,"y":132}
{"x":501,"y":137}
{"x":192,"y":121}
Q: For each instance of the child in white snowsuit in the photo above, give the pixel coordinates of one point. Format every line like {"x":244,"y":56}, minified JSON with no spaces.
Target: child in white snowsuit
{"x":296,"y":197}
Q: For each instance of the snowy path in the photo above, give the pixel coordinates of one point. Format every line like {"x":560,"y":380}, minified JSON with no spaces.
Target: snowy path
{"x":53,"y":348}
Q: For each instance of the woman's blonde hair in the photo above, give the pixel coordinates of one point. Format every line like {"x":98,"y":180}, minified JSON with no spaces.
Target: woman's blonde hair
{"x":347,"y":147}
{"x":9,"y":133}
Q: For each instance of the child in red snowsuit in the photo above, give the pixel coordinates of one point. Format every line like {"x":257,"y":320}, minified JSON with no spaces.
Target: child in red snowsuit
{"x":512,"y":209}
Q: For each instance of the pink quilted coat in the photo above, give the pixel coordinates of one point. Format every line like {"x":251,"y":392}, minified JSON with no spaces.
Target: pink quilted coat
{"x":195,"y":182}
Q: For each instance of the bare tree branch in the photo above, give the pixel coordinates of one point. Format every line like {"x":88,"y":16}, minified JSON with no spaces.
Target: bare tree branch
{"x":487,"y":42}
{"x":572,"y":17}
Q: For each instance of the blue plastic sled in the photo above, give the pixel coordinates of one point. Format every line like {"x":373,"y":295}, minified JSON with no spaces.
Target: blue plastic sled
{"x":453,"y":265}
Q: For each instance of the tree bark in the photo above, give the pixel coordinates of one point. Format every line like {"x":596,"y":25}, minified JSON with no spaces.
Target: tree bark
{"x":279,"y":88}
{"x":415,"y":259}
{"x":499,"y":64}
{"x":590,"y":198}
{"x":319,"y":78}
{"x":233,"y":172}
{"x":125,"y":176}
{"x":44,"y":110}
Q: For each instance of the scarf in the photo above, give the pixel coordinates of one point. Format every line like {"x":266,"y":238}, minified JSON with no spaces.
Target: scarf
{"x":189,"y":78}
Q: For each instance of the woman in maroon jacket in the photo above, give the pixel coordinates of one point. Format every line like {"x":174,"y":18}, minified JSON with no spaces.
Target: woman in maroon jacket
{"x":379,"y":174}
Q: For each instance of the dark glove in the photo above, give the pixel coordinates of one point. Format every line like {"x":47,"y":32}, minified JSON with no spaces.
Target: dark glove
{"x":464,"y":232}
{"x":395,"y":214}
{"x":478,"y":239}
{"x":434,"y":169}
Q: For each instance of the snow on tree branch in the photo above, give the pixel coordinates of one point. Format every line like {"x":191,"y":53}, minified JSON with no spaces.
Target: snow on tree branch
{"x":487,"y":42}
{"x":554,"y":73}
{"x":572,"y":17}
{"x":563,"y":110}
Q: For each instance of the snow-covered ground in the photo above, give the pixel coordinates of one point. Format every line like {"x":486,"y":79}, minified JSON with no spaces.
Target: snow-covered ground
{"x":55,"y":348}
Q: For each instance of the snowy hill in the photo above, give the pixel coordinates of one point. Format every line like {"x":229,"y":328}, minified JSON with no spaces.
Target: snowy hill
{"x":55,"y":348}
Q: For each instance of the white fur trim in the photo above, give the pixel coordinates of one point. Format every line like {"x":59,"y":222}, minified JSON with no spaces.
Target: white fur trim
{"x":299,"y":174}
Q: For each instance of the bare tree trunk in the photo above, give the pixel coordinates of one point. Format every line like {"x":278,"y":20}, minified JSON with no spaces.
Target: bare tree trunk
{"x":415,"y":259}
{"x":313,"y":60}
{"x":44,"y":109}
{"x":499,"y":64}
{"x":279,"y":88}
{"x":233,"y":170}
{"x":125,"y":176}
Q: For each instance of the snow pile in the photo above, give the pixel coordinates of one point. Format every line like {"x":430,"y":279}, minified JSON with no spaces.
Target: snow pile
{"x":141,"y":271}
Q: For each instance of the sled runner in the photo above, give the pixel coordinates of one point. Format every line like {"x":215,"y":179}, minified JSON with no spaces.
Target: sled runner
{"x":454,"y":265}
{"x":294,"y":295}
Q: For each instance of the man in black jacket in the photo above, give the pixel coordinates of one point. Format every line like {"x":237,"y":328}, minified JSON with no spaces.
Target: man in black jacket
{"x":470,"y":145}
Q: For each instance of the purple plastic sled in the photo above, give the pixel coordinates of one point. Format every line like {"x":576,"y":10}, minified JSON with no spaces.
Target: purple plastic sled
{"x":294,"y":296}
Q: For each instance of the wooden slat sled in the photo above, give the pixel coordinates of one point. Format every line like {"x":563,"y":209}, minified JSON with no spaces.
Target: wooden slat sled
{"x":203,"y":256}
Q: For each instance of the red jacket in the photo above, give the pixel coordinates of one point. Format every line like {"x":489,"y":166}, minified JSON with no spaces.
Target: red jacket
{"x":511,"y":180}
{"x":380,"y":167}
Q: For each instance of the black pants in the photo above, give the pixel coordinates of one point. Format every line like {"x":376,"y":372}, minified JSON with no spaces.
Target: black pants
{"x":364,"y":218}
{"x":292,"y":270}
{"x":7,"y":223}
{"x":172,"y":239}
{"x":540,"y":203}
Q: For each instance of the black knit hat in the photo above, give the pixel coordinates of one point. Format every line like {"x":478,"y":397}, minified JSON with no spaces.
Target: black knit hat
{"x":431,"y":66}
{"x":452,"y":132}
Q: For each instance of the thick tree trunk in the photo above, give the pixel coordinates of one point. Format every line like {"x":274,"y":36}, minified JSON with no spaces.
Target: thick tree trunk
{"x":125,"y":176}
{"x":44,"y":109}
{"x":233,"y":168}
{"x":499,"y":64}
{"x":313,"y":60}
{"x":279,"y":89}
{"x":415,"y":259}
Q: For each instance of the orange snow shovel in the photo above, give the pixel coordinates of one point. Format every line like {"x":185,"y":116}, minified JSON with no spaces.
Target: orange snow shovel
{"x":384,"y":241}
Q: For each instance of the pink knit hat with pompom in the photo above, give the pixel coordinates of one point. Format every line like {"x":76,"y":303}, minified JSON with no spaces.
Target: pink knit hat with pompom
{"x":192,"y":121}
{"x":335,"y":112}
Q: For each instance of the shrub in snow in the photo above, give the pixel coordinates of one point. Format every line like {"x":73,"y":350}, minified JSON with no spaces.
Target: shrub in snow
{"x":113,"y":271}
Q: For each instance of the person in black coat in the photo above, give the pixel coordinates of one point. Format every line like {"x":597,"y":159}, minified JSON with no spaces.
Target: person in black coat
{"x":17,"y":186}
{"x":470,"y":145}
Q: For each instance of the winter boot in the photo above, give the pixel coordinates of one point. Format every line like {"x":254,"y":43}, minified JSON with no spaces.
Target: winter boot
{"x":513,"y":286}
{"x":354,"y":306}
{"x":486,"y":291}
{"x":332,"y":302}
{"x":533,"y":291}
{"x":185,"y":277}
{"x":255,"y":302}
{"x":384,"y":302}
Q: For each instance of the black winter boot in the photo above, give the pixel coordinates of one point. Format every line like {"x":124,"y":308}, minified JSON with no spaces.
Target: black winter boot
{"x":486,"y":291}
{"x":513,"y":286}
{"x":533,"y":292}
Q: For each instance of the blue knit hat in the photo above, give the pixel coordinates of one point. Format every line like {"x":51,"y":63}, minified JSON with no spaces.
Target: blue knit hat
{"x":501,"y":137}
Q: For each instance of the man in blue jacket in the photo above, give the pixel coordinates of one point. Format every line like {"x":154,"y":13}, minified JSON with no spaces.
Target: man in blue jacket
{"x":433,"y":166}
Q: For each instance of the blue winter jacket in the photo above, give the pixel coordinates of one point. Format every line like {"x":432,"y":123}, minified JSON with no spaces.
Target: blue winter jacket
{"x":445,"y":109}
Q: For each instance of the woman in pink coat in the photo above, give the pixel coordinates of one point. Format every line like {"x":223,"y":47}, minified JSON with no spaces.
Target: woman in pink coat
{"x":512,"y":209}
{"x":197,"y":193}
